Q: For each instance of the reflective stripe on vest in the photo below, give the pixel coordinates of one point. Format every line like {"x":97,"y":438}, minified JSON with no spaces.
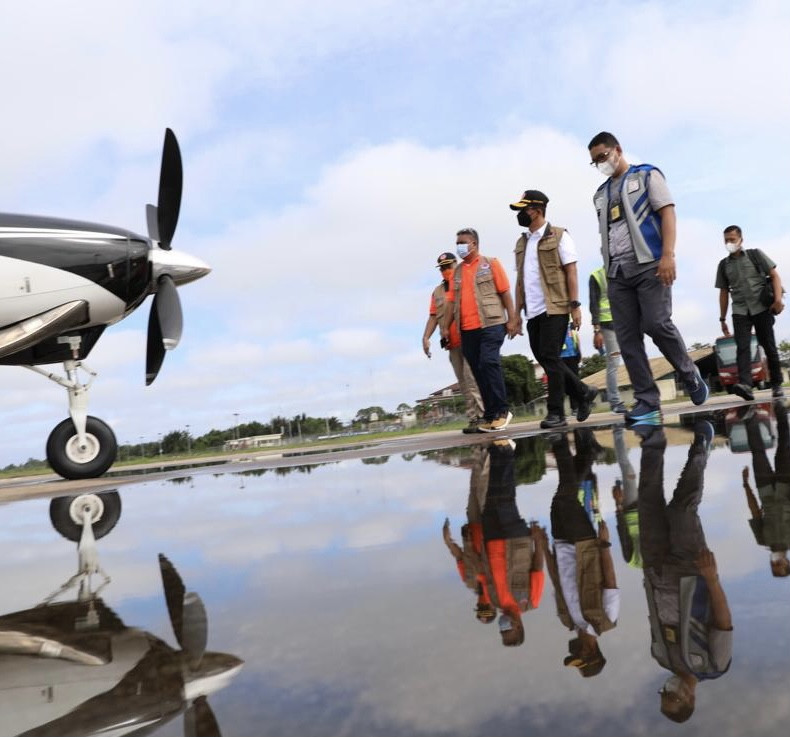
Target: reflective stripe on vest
{"x":644,"y":224}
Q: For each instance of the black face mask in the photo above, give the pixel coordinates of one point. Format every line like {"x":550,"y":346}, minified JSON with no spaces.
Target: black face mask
{"x":523,"y":217}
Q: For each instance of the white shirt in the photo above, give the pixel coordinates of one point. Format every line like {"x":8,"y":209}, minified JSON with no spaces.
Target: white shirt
{"x":533,"y":291}
{"x":566,"y":563}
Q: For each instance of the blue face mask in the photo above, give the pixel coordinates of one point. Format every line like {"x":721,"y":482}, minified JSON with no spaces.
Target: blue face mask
{"x":462,"y":249}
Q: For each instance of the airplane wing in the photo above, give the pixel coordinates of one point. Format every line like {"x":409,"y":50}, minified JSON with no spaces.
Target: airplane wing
{"x":25,"y":333}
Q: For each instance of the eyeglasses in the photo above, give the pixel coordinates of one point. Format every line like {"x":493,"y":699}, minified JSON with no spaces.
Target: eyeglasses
{"x":600,"y":158}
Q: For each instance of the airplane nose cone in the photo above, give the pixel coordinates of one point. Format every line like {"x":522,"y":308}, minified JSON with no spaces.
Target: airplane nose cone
{"x":180,"y":266}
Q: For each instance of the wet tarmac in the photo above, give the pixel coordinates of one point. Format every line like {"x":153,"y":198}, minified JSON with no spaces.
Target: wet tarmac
{"x":325,"y":595}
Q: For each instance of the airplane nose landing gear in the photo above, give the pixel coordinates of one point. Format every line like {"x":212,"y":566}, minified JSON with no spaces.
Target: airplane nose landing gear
{"x":80,"y":447}
{"x":86,"y":458}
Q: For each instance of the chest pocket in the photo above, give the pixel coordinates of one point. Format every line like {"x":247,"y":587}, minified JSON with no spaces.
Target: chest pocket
{"x":549,"y":260}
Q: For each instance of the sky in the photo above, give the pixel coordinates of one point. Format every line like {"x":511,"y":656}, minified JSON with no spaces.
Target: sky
{"x":332,"y":150}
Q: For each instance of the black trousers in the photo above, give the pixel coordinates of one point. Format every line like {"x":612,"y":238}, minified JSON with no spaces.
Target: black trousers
{"x":764,"y":330}
{"x":546,"y":335}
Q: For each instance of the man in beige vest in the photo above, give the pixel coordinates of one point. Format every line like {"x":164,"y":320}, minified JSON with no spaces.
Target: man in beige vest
{"x":580,"y":564}
{"x":547,"y":289}
{"x":466,"y":380}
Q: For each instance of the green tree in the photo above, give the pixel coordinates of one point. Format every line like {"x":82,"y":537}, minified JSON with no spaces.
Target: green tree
{"x":592,"y":365}
{"x":520,"y":383}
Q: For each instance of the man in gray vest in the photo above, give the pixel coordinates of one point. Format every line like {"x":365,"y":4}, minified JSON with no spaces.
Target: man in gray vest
{"x":463,"y":374}
{"x":743,"y":274}
{"x":690,"y":620}
{"x":636,"y":220}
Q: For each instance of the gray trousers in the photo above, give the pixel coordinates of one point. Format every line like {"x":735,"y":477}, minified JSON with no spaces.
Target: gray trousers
{"x":641,"y":306}
{"x":612,"y":364}
{"x":467,"y":384}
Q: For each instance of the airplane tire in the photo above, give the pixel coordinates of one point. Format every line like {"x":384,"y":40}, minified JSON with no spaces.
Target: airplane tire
{"x":70,"y":460}
{"x":104,"y":507}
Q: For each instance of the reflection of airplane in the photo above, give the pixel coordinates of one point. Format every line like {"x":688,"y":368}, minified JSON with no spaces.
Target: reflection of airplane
{"x":65,"y":281}
{"x":74,"y":668}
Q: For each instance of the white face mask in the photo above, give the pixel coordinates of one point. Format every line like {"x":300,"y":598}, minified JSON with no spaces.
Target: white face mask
{"x":674,"y":684}
{"x":732,"y":247}
{"x":607,"y":167}
{"x":462,"y":249}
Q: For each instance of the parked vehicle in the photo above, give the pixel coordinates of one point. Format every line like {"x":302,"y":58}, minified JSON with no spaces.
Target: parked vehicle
{"x":728,"y":366}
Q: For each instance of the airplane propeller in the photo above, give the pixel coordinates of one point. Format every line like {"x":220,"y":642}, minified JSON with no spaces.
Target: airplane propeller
{"x":165,"y":320}
{"x":163,"y":218}
{"x":190,"y":626}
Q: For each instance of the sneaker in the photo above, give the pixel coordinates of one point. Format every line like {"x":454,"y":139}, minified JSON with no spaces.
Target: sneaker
{"x":777,"y":392}
{"x":505,"y":443}
{"x":619,"y":409}
{"x":642,"y":412}
{"x":697,"y":388}
{"x":553,"y":422}
{"x":703,"y":431}
{"x":743,"y":391}
{"x":651,"y":436}
{"x":499,"y":423}
{"x":472,"y":427}
{"x":586,"y":403}
{"x":484,"y":426}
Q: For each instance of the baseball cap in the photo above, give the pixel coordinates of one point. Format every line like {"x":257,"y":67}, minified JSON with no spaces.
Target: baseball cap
{"x":445,"y":259}
{"x":530,"y":197}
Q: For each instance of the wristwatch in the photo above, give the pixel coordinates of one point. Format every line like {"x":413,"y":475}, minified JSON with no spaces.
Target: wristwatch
{"x":575,"y":303}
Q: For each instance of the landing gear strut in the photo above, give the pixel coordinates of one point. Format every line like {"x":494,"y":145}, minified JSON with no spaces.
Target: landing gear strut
{"x":80,"y":447}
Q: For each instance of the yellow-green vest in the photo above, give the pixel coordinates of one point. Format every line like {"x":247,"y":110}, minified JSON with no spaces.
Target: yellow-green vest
{"x":604,"y":307}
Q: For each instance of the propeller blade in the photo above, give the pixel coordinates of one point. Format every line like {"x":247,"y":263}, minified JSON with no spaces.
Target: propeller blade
{"x":187,"y":613}
{"x":170,"y":185}
{"x":199,"y":720}
{"x":168,"y":311}
{"x":165,"y":325}
{"x":155,"y":351}
{"x":152,"y":218}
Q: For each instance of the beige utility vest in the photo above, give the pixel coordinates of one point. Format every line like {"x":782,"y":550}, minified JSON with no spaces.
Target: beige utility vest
{"x":518,"y":561}
{"x":589,"y":580}
{"x":552,"y":273}
{"x":440,"y":301}
{"x":490,"y":309}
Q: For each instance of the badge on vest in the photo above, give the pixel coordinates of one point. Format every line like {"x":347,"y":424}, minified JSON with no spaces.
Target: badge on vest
{"x":615,"y":213}
{"x":485,"y":266}
{"x":633,"y":186}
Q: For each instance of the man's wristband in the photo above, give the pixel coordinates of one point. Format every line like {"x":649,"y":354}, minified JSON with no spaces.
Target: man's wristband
{"x":575,"y":304}
{"x":722,"y":319}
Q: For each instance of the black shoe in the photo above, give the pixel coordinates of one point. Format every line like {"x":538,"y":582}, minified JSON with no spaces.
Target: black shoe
{"x":553,"y":422}
{"x":777,"y":392}
{"x":586,"y":403}
{"x":743,"y":391}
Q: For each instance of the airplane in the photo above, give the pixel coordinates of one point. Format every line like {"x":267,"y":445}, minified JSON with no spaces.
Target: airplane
{"x":64,"y":281}
{"x":73,"y":667}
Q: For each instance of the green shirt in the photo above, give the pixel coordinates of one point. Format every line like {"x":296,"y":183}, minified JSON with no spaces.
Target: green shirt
{"x":737,"y":273}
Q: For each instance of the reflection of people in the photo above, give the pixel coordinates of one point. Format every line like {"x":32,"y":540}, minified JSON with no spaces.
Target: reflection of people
{"x":463,"y":374}
{"x":743,"y":273}
{"x":483,"y":310}
{"x":690,"y":621}
{"x":547,"y":289}
{"x":580,"y":562}
{"x":625,"y":496}
{"x":770,"y":520}
{"x":604,"y":337}
{"x":499,"y":559}
{"x":636,"y":220}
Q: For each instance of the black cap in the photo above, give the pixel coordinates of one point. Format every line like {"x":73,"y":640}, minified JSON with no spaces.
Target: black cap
{"x":531,"y":197}
{"x":445,"y":259}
